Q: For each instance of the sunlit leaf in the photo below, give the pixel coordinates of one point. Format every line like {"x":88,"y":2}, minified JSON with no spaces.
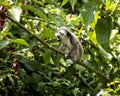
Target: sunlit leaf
{"x":21,"y":41}
{"x":4,"y":3}
{"x":111,"y":4}
{"x":4,"y":43}
{"x":64,"y":2}
{"x":16,"y":11}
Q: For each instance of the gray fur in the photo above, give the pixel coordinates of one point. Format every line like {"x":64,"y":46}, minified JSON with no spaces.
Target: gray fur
{"x":71,"y":43}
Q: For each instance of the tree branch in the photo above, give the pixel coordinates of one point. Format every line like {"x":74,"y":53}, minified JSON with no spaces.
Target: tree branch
{"x":93,"y":70}
{"x":54,"y":49}
{"x":29,"y":32}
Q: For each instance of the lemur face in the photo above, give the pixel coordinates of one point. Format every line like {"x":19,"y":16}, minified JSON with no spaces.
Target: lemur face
{"x":61,"y":34}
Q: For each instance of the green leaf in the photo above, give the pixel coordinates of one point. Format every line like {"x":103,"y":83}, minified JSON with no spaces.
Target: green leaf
{"x":46,"y":57}
{"x":5,"y":3}
{"x":88,"y":13}
{"x":15,"y":11}
{"x":64,"y":2}
{"x":100,"y":1}
{"x":21,"y":41}
{"x":29,"y":64}
{"x":48,"y":33}
{"x":37,"y":11}
{"x":103,"y":29}
{"x":4,"y":43}
{"x":57,"y":58}
{"x":107,"y":56}
{"x":5,"y":72}
{"x":73,"y":2}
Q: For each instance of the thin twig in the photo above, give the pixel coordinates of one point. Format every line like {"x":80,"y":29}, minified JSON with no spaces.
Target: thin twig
{"x":87,"y":84}
{"x":34,"y":18}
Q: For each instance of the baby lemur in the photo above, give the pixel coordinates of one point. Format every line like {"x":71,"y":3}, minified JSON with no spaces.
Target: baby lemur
{"x":70,"y":43}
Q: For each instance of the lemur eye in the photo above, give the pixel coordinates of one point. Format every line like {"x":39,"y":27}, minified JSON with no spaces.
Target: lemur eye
{"x":62,"y":32}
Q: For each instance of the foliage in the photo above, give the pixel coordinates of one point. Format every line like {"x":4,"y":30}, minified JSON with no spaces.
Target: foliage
{"x":32,"y":65}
